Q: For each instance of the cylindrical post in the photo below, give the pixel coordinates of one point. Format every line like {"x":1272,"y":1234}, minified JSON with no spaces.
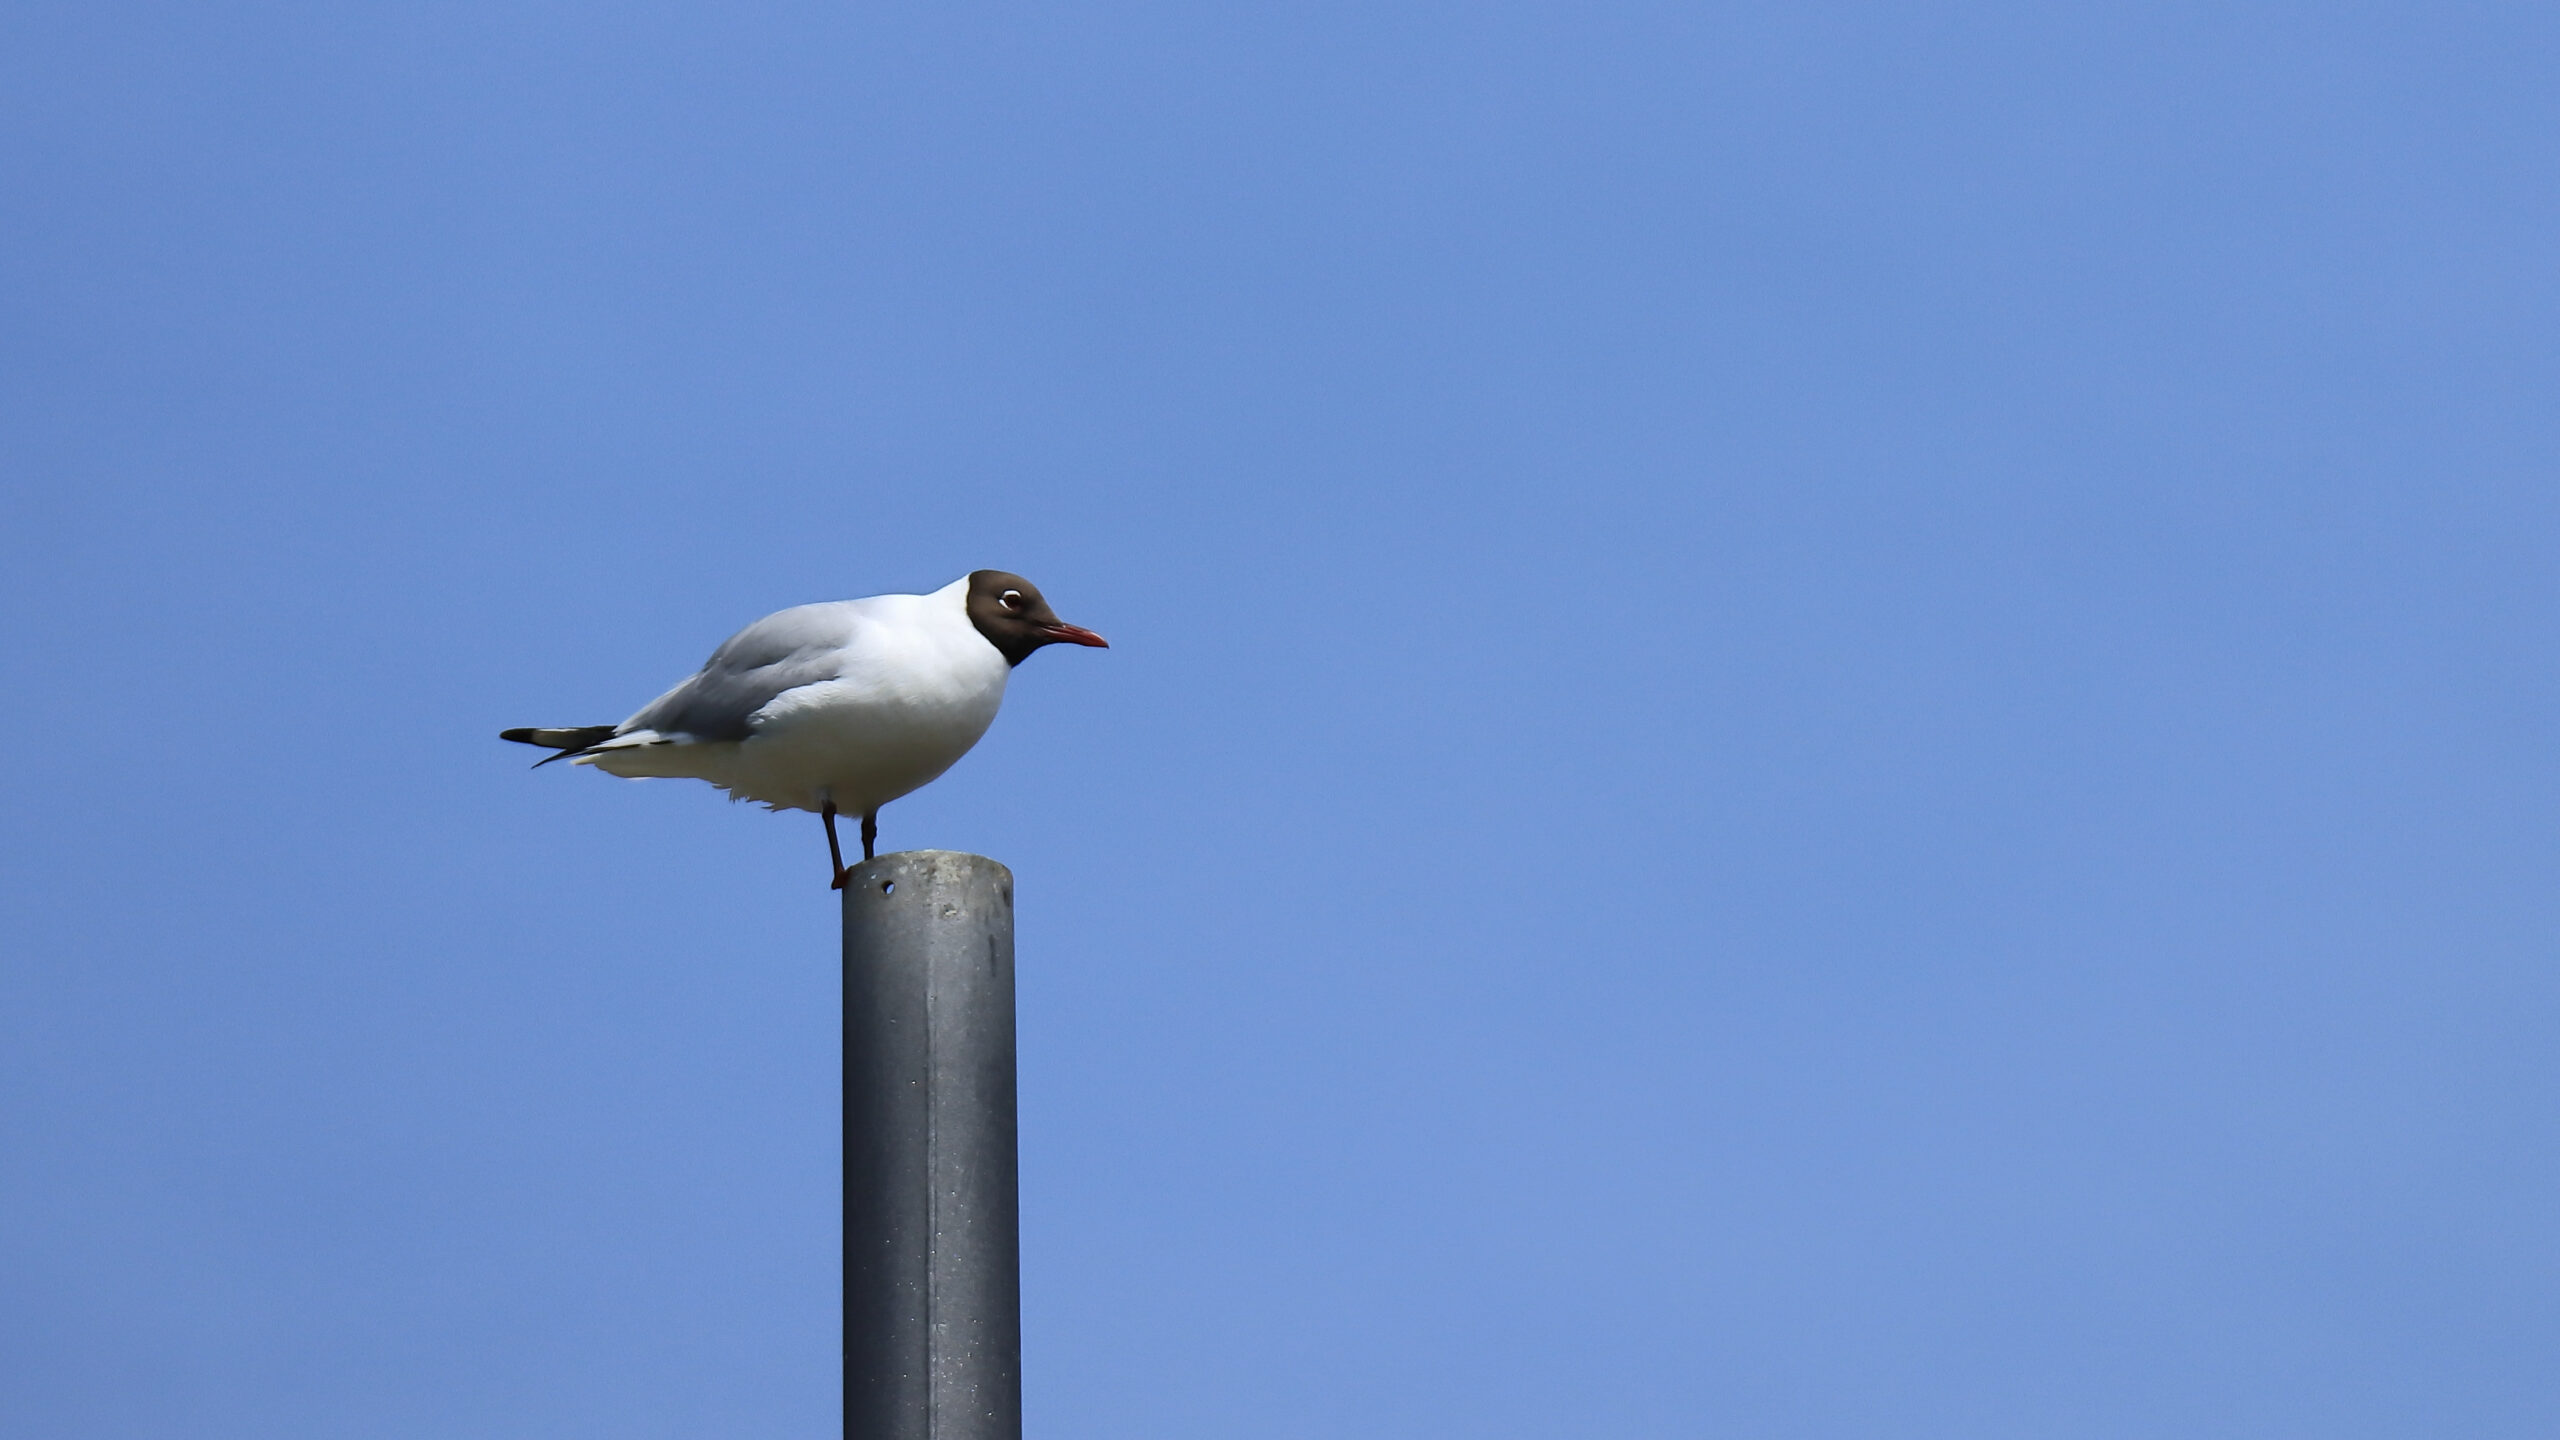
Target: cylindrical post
{"x":932,"y":1242}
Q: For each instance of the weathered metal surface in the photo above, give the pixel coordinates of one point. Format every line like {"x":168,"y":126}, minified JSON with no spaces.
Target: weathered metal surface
{"x":932,"y":1283}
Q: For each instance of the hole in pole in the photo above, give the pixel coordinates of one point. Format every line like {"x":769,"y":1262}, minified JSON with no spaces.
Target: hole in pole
{"x":889,"y":887}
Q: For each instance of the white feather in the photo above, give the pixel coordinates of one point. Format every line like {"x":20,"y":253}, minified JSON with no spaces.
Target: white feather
{"x":855,"y":703}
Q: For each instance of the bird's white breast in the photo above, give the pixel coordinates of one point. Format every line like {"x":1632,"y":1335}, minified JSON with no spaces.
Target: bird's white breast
{"x":909,"y":690}
{"x":916,"y":687}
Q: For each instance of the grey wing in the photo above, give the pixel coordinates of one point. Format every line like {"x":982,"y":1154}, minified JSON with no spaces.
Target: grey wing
{"x":781,"y":652}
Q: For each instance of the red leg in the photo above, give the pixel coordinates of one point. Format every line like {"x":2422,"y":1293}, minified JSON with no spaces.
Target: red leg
{"x":827,"y":812}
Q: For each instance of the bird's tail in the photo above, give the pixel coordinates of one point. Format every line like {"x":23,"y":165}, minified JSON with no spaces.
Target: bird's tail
{"x":567,"y":740}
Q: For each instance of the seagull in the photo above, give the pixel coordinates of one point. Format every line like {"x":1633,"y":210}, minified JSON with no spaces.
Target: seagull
{"x":843,"y":706}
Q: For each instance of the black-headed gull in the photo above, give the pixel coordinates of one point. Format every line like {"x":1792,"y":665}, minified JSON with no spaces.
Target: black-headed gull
{"x":843,"y":706}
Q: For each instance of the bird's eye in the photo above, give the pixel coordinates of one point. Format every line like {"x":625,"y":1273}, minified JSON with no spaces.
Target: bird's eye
{"x":1011,"y":600}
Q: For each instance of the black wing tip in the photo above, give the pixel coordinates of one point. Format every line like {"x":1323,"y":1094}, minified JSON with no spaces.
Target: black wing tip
{"x":568,"y":740}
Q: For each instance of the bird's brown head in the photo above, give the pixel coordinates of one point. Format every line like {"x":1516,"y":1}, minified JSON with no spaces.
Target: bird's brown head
{"x":1008,"y":610}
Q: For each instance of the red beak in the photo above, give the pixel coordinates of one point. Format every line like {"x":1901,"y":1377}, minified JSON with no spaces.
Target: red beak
{"x":1075,"y":635}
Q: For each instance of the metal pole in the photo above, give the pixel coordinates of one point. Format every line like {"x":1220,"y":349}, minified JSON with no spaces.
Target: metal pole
{"x":932,"y":1242}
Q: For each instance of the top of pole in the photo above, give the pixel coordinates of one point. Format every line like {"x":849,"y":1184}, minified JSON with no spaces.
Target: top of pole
{"x":931,"y":867}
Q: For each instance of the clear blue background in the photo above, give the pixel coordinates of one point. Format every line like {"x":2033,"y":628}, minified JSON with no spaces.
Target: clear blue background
{"x":1827,"y":720}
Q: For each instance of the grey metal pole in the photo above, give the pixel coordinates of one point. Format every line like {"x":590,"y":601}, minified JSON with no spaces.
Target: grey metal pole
{"x":932,"y":1240}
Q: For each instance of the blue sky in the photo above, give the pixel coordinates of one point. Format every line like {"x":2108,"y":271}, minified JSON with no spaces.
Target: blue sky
{"x":1825,"y":720}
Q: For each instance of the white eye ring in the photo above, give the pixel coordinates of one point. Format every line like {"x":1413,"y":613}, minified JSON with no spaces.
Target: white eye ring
{"x":1011,"y":599}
